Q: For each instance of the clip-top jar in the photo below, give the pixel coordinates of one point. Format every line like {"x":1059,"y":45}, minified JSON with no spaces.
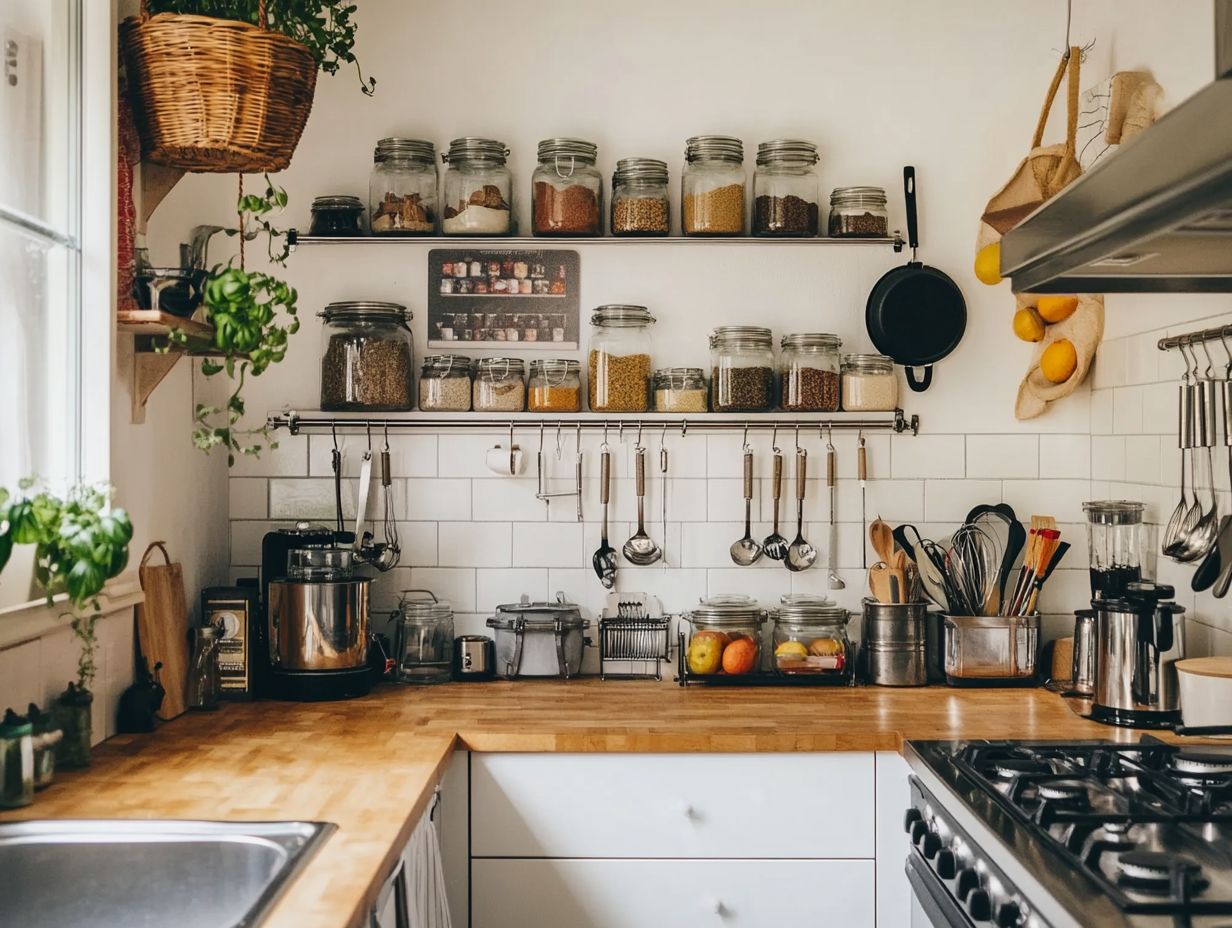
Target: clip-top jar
{"x":499,"y":385}
{"x":680,"y":389}
{"x":619,"y":364}
{"x":809,"y":378}
{"x":567,"y":189}
{"x":367,"y":357}
{"x":858,"y":212}
{"x":810,"y":635}
{"x":741,"y":369}
{"x":640,"y":201}
{"x":869,"y":383}
{"x":726,"y":635}
{"x":402,"y":188}
{"x":477,"y":190}
{"x":712,"y":186}
{"x":555,"y":385}
{"x":445,"y":383}
{"x":785,"y":189}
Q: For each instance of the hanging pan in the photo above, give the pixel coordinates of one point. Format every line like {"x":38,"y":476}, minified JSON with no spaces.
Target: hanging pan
{"x":915,"y":314}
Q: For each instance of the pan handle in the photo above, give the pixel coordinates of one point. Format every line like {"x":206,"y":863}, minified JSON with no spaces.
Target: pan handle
{"x":919,"y":386}
{"x":913,"y":221}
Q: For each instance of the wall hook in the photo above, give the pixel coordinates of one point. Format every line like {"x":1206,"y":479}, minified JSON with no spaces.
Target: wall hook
{"x":745,"y":443}
{"x":774,"y":438}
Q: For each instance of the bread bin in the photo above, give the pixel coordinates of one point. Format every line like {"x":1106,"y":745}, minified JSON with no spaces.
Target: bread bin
{"x":1206,"y":691}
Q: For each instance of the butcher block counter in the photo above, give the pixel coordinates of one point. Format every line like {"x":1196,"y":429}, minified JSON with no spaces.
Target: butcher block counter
{"x":370,"y":765}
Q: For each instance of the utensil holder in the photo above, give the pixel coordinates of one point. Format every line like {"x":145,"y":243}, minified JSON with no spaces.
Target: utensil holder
{"x":894,"y":643}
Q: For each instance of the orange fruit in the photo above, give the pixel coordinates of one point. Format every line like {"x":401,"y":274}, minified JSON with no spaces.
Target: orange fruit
{"x":1028,"y":325}
{"x":988,"y":264}
{"x":740,"y":656}
{"x":1056,"y":308}
{"x":1059,"y":361}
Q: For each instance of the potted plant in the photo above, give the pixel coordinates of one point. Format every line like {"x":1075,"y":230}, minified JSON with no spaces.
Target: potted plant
{"x":80,"y":543}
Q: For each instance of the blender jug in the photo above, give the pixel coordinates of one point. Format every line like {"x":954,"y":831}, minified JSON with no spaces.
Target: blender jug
{"x":1116,"y":545}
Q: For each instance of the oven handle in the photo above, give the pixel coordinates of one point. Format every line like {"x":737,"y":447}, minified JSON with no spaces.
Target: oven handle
{"x":942,"y":909}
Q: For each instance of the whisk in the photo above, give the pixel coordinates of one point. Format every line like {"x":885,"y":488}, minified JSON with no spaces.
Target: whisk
{"x":971,"y":570}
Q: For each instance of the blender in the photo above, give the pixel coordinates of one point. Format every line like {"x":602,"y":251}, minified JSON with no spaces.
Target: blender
{"x":1116,"y":544}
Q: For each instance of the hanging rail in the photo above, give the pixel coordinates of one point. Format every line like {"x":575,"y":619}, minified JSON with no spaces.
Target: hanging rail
{"x":1192,"y":338}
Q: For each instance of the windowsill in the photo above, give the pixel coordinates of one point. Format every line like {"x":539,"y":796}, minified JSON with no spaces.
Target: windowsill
{"x":27,"y":622}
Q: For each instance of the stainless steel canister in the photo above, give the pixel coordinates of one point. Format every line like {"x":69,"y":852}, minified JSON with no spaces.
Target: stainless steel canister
{"x":894,"y":643}
{"x":1082,"y":679}
{"x":318,"y":626}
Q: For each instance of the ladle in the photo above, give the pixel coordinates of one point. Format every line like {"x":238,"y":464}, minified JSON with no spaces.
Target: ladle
{"x":641,"y":549}
{"x":746,"y":551}
{"x":801,"y":555}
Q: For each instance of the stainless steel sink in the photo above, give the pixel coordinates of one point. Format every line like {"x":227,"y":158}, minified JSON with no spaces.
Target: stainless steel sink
{"x":113,"y":873}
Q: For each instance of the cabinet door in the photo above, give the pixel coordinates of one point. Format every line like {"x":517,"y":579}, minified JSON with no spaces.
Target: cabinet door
{"x":671,"y":893}
{"x":893,"y":798}
{"x":673,"y":805}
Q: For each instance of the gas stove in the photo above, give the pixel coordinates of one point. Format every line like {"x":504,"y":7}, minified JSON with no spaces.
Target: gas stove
{"x":1074,"y":834}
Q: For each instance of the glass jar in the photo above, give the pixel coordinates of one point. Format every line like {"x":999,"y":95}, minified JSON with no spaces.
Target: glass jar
{"x":367,"y":357}
{"x":785,"y":189}
{"x":618,"y":367}
{"x":424,"y":647}
{"x":1116,"y":545}
{"x":203,"y":679}
{"x":402,"y":188}
{"x":869,"y":383}
{"x":809,"y":372}
{"x":680,"y":389}
{"x":712,"y":186}
{"x":336,"y":216}
{"x":445,"y":383}
{"x":555,"y":385}
{"x":499,"y":385}
{"x":810,"y":635}
{"x":567,"y":189}
{"x":725,"y":636}
{"x":741,"y":369}
{"x":477,"y":189}
{"x":858,"y":212}
{"x":640,"y":202}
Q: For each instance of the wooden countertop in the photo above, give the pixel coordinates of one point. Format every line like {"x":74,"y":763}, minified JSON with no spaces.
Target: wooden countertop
{"x":369,"y":765}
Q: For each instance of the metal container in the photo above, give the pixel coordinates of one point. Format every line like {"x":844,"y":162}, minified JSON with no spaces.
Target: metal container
{"x":1082,"y":678}
{"x":991,"y":650}
{"x":318,"y":626}
{"x":1139,"y":639}
{"x":539,"y":639}
{"x":894,"y":642}
{"x":474,"y":658}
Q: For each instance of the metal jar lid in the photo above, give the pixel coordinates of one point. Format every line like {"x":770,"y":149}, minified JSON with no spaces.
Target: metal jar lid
{"x":804,"y":610}
{"x":680,"y":378}
{"x":811,"y":340}
{"x":446,"y":364}
{"x":647,"y":170}
{"x":366,"y":311}
{"x":475,"y":149}
{"x":728,"y":609}
{"x":714,"y":148}
{"x":554,"y":368}
{"x":424,"y":607}
{"x":499,"y":368}
{"x":868,"y":363}
{"x":556,"y":149}
{"x":347,"y":203}
{"x":538,"y":616}
{"x":858,"y":196}
{"x":787,"y":151}
{"x":621,"y":315}
{"x":1113,"y":512}
{"x":753,"y":336}
{"x":395,"y":149}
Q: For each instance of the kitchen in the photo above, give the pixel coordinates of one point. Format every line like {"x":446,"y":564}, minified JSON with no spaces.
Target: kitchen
{"x":683,"y":785}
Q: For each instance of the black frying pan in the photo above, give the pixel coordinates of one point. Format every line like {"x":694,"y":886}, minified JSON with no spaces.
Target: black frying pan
{"x":915,"y":314}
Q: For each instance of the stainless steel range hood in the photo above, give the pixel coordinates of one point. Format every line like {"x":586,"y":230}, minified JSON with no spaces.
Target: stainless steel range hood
{"x":1154,"y":217}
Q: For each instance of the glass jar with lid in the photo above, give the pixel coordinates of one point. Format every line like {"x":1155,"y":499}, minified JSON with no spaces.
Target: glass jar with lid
{"x":858,"y":212}
{"x":725,"y":635}
{"x":555,"y":385}
{"x":402,"y":188}
{"x":680,"y":389}
{"x":869,"y":383}
{"x":619,"y":363}
{"x":477,"y":189}
{"x":741,"y":369}
{"x":809,"y":372}
{"x":640,"y":201}
{"x":712,"y":186}
{"x":445,"y":383}
{"x":424,"y":638}
{"x":567,"y":189}
{"x":499,"y":385}
{"x":338,"y":216}
{"x":785,"y":189}
{"x":367,"y":357}
{"x":810,"y":635}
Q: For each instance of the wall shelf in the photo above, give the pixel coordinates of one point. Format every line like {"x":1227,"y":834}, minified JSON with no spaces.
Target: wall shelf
{"x":154,"y":356}
{"x":295,"y":239}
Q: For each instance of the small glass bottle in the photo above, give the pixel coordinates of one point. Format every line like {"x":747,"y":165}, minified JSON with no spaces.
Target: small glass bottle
{"x":402,"y":188}
{"x":16,"y":761}
{"x":858,"y":212}
{"x":640,"y":201}
{"x":741,"y":369}
{"x":499,"y":385}
{"x":869,"y":383}
{"x":785,"y":189}
{"x":712,"y":186}
{"x":680,"y":389}
{"x":203,"y":680}
{"x":445,"y":384}
{"x":567,"y":189}
{"x":477,"y":189}
{"x":619,"y":364}
{"x":809,"y":372}
{"x":555,"y":385}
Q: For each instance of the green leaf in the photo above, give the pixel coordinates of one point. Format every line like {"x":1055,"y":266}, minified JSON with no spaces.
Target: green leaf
{"x":84,"y":581}
{"x":6,"y":548}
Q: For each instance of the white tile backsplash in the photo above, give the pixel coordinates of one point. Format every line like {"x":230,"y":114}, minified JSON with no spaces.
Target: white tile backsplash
{"x":249,"y":498}
{"x":475,"y":544}
{"x":1065,"y":456}
{"x":928,"y":456}
{"x":1003,"y":456}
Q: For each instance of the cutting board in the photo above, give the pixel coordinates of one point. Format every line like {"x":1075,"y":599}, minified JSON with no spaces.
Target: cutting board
{"x":162,"y":627}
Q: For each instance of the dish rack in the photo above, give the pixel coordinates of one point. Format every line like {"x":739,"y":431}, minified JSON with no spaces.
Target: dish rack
{"x":633,"y":629}
{"x":685,"y":677}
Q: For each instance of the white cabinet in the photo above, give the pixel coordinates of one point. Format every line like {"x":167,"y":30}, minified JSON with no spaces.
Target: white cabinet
{"x":893,"y":798}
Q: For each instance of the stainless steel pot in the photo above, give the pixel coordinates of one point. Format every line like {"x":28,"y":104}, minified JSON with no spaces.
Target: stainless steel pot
{"x":1139,"y":639}
{"x":318,"y":626}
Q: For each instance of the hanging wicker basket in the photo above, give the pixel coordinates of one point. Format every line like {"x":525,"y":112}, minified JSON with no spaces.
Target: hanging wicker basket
{"x":216,"y":95}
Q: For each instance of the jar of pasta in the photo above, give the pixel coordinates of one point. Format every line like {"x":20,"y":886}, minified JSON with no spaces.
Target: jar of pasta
{"x":712,"y":186}
{"x":618,"y":367}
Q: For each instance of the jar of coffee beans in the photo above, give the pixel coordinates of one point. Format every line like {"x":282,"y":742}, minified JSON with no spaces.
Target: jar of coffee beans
{"x":567,"y":189}
{"x":858,"y":212}
{"x":445,"y":383}
{"x":809,"y":372}
{"x":680,"y":389}
{"x":785,"y":190}
{"x":499,"y":385}
{"x":402,"y":188}
{"x":741,"y":369}
{"x":640,"y":203}
{"x":367,"y":357}
{"x":619,"y":364}
{"x":555,"y":385}
{"x":712,"y":186}
{"x":869,"y":383}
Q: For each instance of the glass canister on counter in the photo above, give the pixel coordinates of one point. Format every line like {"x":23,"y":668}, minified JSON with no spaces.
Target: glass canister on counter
{"x":869,"y":383}
{"x":809,"y":372}
{"x":555,"y":385}
{"x":477,"y":189}
{"x":619,"y":363}
{"x":680,"y":389}
{"x":712,"y":186}
{"x":858,"y":212}
{"x":741,"y":369}
{"x":640,"y":201}
{"x":499,"y":385}
{"x":337,"y":216}
{"x":567,"y":189}
{"x":424,"y":630}
{"x":810,"y":635}
{"x":367,"y":357}
{"x":445,"y":383}
{"x":785,"y":189}
{"x":725,"y":635}
{"x":204,"y":682}
{"x":402,"y":188}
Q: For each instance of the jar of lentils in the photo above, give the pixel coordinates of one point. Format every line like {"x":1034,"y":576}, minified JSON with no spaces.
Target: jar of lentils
{"x":640,"y":202}
{"x":367,"y":357}
{"x":858,"y":212}
{"x":741,"y":369}
{"x":712,"y":186}
{"x":869,"y":383}
{"x":809,"y":372}
{"x":618,"y":367}
{"x":499,"y":385}
{"x":477,"y":189}
{"x":445,"y":383}
{"x":555,"y":385}
{"x":567,"y":189}
{"x":785,"y":189}
{"x":402,"y":188}
{"x":680,"y":389}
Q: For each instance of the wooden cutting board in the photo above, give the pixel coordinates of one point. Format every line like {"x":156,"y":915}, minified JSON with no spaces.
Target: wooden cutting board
{"x":162,"y":627}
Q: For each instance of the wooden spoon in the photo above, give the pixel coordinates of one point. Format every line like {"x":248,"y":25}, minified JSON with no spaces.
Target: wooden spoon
{"x":881,"y":536}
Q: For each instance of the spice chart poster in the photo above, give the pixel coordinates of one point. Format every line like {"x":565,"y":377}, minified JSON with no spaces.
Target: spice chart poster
{"x":487,"y":298}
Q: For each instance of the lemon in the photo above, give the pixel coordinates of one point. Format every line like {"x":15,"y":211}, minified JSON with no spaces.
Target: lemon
{"x":1028,"y":325}
{"x":988,"y":264}
{"x":791,"y":649}
{"x":1059,"y":361}
{"x":1056,"y":308}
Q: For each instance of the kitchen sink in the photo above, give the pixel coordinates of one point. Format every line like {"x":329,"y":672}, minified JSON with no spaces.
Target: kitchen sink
{"x":129,"y":873}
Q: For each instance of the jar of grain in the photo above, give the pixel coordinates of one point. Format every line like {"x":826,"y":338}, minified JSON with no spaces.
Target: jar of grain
{"x":680,"y":389}
{"x":618,"y":367}
{"x":402,"y":188}
{"x":858,"y":212}
{"x":567,"y":189}
{"x":555,"y":385}
{"x":741,"y":369}
{"x":785,"y":189}
{"x":499,"y":385}
{"x":712,"y":186}
{"x":640,"y":202}
{"x":809,"y":372}
{"x":367,"y":357}
{"x":869,"y":383}
{"x":336,"y":216}
{"x":477,"y":188}
{"x":445,"y":383}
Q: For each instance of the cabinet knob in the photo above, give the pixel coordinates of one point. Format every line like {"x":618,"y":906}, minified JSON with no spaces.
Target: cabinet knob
{"x":979,"y":905}
{"x":968,"y":880}
{"x":1009,"y":915}
{"x":946,"y":864}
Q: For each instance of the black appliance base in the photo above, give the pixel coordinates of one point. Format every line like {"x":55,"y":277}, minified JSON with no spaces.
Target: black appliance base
{"x":320,"y":685}
{"x":1133,"y":718}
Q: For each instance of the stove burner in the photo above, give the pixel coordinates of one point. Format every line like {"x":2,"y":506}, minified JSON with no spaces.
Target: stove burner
{"x":1063,"y":791}
{"x":1012,"y":767}
{"x":1204,"y":764}
{"x":1152,"y":871}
